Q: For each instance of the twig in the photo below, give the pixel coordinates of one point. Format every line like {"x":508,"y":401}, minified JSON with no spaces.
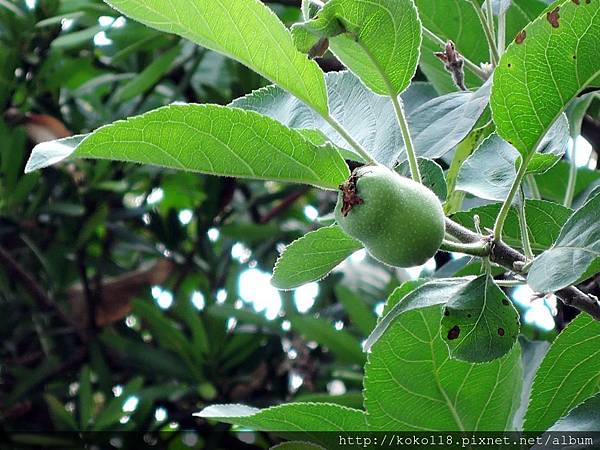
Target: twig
{"x":90,"y":297}
{"x":511,"y":259}
{"x":282,"y":206}
{"x":468,"y":63}
{"x":454,"y":63}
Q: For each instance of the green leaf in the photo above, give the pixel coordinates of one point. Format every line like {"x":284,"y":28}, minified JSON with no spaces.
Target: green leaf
{"x":569,"y":374}
{"x":411,"y":384}
{"x":190,"y":315}
{"x":162,"y":328}
{"x":584,"y":417}
{"x":520,"y":13}
{"x":85,"y":397}
{"x":304,"y":419}
{"x":431,"y":173}
{"x":351,"y":399}
{"x":553,"y":183}
{"x":463,"y":150}
{"x":360,"y":314}
{"x":532,"y":354}
{"x":243,"y":315}
{"x":148,"y":77}
{"x":62,"y":418}
{"x":574,"y":256}
{"x":145,"y":358}
{"x":440,"y":124}
{"x":377,"y":40}
{"x":77,"y":38}
{"x":480,"y":323}
{"x":544,"y":222}
{"x":341,"y":343}
{"x":312,"y":257}
{"x":245,"y":30}
{"x":457,"y":21}
{"x":535,"y":79}
{"x":297,"y":445}
{"x":491,"y":170}
{"x":113,"y":410}
{"x":370,"y":117}
{"x":205,"y":138}
{"x":435,"y":292}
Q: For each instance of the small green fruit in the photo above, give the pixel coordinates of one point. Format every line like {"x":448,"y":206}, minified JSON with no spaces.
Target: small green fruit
{"x":400,"y":222}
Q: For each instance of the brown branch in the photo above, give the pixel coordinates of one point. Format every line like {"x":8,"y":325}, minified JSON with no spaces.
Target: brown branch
{"x":507,"y":256}
{"x":282,"y":206}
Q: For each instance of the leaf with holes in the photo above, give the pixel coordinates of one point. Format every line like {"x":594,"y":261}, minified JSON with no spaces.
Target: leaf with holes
{"x":569,"y":374}
{"x":312,"y":257}
{"x":540,"y":73}
{"x":412,"y":384}
{"x":480,"y":323}
{"x":368,"y":116}
{"x":245,"y":30}
{"x":407,"y":298}
{"x":575,"y":255}
{"x":377,"y":40}
{"x":186,"y":137}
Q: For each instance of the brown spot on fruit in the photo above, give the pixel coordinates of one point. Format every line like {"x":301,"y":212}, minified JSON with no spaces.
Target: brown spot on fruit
{"x":553,"y":17}
{"x":350,"y":197}
{"x":520,"y":37}
{"x":453,"y":333}
{"x":446,"y":312}
{"x":501,"y":331}
{"x":505,"y":302}
{"x":469,"y":315}
{"x":576,"y":2}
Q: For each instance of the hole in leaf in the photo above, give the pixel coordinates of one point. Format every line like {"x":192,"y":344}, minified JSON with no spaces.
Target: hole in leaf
{"x":553,"y":17}
{"x":453,"y":333}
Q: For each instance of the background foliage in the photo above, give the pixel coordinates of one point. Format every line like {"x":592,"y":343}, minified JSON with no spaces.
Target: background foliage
{"x":132,"y":296}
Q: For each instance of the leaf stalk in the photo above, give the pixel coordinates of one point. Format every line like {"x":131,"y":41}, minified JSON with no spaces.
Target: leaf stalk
{"x":410,"y":149}
{"x":349,"y":139}
{"x":499,"y":225}
{"x":489,"y":35}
